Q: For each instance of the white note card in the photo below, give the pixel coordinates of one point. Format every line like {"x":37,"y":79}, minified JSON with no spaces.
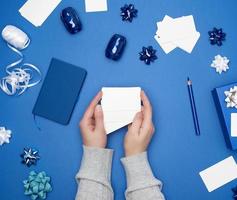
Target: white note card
{"x":233,"y":124}
{"x":177,"y":32}
{"x":219,"y":174}
{"x":96,"y":5}
{"x":120,"y":105}
{"x":37,"y":11}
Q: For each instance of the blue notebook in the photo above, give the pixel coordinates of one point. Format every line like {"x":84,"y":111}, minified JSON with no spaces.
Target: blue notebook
{"x":60,"y":91}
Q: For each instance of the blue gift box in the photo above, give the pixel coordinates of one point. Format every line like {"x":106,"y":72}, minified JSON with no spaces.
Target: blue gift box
{"x":224,"y":114}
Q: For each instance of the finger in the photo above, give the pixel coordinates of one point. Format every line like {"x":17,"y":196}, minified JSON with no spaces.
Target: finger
{"x":85,"y":123}
{"x":91,"y":108}
{"x":99,"y":119}
{"x":147,"y":112}
{"x":146,"y":103}
{"x":146,"y":109}
{"x":137,"y":123}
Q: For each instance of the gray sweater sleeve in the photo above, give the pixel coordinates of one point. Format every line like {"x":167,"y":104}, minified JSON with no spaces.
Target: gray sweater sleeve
{"x":141,"y":183}
{"x":94,"y":175}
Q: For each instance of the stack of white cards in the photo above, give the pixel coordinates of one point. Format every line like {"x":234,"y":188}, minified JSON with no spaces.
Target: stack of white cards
{"x":178,"y":32}
{"x":120,"y":105}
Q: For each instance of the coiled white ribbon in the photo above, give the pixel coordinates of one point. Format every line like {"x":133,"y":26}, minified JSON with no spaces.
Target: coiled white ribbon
{"x":18,"y":78}
{"x":15,"y":37}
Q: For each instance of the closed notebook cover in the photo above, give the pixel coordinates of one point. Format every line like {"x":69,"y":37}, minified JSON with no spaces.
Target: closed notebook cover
{"x":60,"y":91}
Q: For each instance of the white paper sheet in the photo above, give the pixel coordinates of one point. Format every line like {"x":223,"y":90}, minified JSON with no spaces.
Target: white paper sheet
{"x":219,"y":174}
{"x":233,"y":124}
{"x":37,"y":11}
{"x":120,"y":105}
{"x":96,"y":5}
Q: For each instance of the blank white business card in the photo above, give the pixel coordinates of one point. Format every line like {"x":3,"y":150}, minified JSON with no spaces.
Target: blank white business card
{"x":233,"y":124}
{"x":185,"y":37}
{"x":96,"y":5}
{"x":119,"y":116}
{"x":37,"y":11}
{"x":121,"y":98}
{"x":219,"y":174}
{"x":113,"y":126}
{"x":120,"y":105}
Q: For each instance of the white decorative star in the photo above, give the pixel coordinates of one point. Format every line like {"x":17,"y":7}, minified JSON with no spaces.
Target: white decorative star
{"x":231,"y":97}
{"x":4,"y":135}
{"x":220,"y":63}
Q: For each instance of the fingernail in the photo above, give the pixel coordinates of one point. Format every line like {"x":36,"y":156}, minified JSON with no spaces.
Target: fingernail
{"x":139,"y":114}
{"x":98,"y":108}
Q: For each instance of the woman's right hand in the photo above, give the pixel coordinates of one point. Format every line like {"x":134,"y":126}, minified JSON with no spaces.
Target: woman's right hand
{"x":92,"y":125}
{"x":140,"y":131}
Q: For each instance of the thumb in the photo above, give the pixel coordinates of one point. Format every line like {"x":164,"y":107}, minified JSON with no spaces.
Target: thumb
{"x":99,"y":118}
{"x":137,"y":122}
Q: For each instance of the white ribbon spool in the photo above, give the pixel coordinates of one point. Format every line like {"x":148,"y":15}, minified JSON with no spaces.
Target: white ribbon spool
{"x":15,"y":37}
{"x":18,"y":78}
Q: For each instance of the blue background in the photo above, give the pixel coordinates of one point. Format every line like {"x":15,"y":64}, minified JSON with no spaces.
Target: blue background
{"x":176,"y":154}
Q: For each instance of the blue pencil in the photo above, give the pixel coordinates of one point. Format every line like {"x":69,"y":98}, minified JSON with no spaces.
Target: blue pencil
{"x":193,"y":106}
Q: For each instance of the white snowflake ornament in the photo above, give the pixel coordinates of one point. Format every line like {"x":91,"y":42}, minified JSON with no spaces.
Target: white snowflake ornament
{"x":220,"y":63}
{"x":231,"y":97}
{"x":4,"y":135}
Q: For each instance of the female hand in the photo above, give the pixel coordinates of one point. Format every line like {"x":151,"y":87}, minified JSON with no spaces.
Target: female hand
{"x":141,"y":130}
{"x":92,"y":125}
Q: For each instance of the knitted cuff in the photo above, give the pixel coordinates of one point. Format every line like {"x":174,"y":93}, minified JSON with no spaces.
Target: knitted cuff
{"x":138,"y":172}
{"x":96,"y":164}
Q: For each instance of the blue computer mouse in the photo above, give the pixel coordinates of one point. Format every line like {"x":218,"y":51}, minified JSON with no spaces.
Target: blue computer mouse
{"x":71,"y":20}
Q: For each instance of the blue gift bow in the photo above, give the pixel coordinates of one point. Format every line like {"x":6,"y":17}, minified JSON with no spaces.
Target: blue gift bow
{"x":37,"y":185}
